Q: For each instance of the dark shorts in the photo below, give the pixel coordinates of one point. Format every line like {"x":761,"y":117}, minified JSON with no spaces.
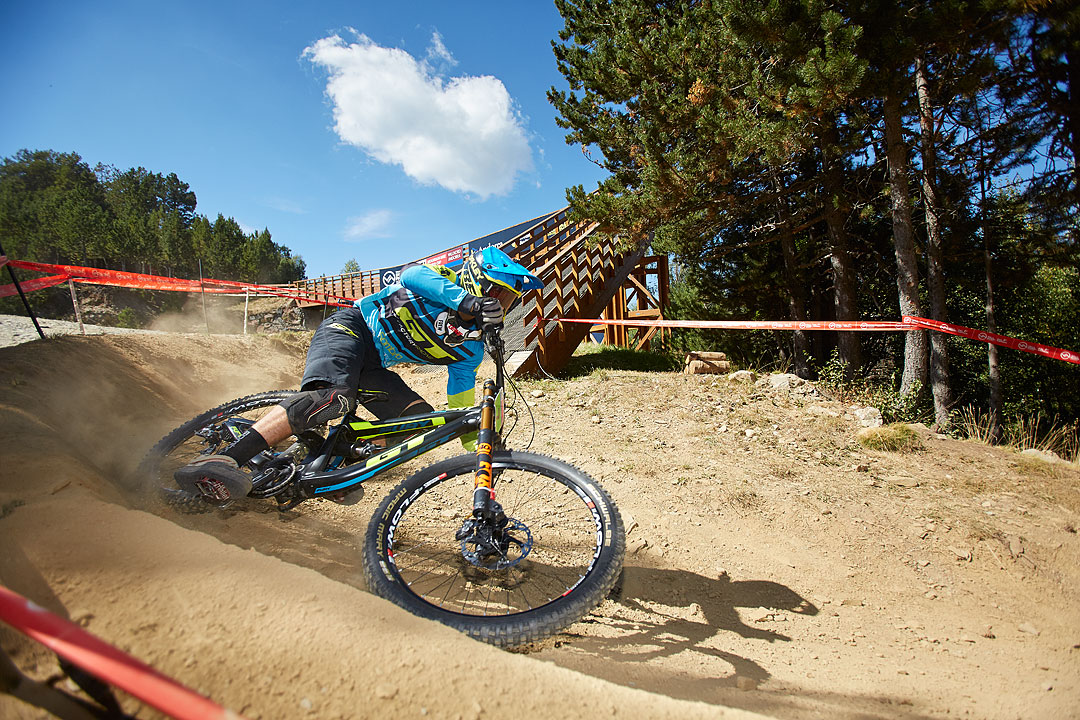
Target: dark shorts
{"x":343,"y":354}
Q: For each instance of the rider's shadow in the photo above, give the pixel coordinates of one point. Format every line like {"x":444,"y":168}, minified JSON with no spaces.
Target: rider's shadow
{"x":660,"y":613}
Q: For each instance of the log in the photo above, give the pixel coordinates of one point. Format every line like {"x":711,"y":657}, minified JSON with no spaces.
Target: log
{"x":705,"y":355}
{"x":706,"y":367}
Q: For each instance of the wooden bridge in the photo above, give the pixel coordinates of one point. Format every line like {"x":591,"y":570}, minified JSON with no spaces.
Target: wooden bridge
{"x":583,"y":276}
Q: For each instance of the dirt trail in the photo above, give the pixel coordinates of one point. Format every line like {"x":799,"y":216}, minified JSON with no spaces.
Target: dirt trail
{"x":774,"y":566}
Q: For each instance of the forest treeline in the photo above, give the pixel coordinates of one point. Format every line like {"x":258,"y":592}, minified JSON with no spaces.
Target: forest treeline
{"x":55,"y":208}
{"x":847,"y":160}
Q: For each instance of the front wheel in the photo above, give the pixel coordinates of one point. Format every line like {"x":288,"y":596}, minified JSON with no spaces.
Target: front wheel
{"x":554,"y":555}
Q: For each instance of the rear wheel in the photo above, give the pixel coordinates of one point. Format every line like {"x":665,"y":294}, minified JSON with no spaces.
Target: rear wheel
{"x":207,"y":434}
{"x":554,"y":558}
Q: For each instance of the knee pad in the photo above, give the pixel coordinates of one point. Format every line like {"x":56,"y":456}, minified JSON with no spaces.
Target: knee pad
{"x":311,"y":408}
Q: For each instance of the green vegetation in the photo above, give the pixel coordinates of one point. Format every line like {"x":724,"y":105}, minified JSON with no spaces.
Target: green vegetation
{"x":819,"y":161}
{"x":128,"y":318}
{"x":591,"y":358}
{"x":55,"y":209}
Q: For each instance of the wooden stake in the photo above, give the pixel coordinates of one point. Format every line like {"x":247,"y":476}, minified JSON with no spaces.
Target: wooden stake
{"x":75,"y":302}
{"x":202,"y":289}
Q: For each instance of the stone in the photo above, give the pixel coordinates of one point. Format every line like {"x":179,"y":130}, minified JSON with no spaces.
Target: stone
{"x":821,"y":411}
{"x":742,"y":376}
{"x":964,"y":554}
{"x":868,"y":417}
{"x":1044,"y":455}
{"x":785,"y":381}
{"x":902,"y":481}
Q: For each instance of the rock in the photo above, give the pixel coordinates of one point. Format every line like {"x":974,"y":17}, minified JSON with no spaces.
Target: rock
{"x":536,"y":394}
{"x":821,"y":411}
{"x":962,"y":553}
{"x":868,"y":417}
{"x":902,"y":481}
{"x":1028,"y":628}
{"x":742,"y":376}
{"x":785,"y":381}
{"x":750,"y":432}
{"x":722,"y":429}
{"x":1016,"y":548}
{"x":1043,"y":455}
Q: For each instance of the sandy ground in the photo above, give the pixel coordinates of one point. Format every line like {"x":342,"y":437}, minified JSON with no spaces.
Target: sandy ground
{"x":774,"y":566}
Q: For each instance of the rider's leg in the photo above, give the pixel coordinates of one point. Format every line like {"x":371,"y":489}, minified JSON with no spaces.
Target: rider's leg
{"x":339,"y":350}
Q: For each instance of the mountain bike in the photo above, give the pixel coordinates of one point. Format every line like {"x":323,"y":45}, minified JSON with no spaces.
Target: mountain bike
{"x":507,"y":546}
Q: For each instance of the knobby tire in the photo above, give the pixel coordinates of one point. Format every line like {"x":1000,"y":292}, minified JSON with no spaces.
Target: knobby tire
{"x":182,"y":445}
{"x":412,"y":558}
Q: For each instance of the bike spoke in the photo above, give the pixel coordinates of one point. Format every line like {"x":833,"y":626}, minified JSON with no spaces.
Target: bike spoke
{"x":431,"y":563}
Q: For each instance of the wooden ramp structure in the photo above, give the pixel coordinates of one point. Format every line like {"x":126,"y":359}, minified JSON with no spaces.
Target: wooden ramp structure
{"x":584,"y":278}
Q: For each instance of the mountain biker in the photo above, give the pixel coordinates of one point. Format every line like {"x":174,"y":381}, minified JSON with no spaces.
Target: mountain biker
{"x":421,"y":319}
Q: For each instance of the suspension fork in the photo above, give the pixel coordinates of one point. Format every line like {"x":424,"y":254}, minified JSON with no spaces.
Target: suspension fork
{"x":484,"y":505}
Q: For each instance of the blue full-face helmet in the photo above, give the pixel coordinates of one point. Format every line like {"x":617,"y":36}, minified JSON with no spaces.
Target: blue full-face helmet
{"x":492,"y":273}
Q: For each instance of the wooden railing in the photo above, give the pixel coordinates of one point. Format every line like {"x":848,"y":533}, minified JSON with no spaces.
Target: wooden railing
{"x":353,"y":285}
{"x":580,"y":276}
{"x":583,"y":278}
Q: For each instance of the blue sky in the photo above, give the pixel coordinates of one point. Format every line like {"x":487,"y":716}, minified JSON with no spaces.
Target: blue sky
{"x":380,"y":132}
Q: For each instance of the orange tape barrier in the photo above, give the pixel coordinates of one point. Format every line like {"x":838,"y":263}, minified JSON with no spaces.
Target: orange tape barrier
{"x":114,"y":666}
{"x":140,"y":281}
{"x":909,"y":323}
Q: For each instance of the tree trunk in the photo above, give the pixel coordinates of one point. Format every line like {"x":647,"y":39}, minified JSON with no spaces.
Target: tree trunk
{"x":907,"y":268}
{"x":995,"y":431}
{"x":795,"y":289}
{"x":845,"y":299}
{"x":935,"y":273}
{"x":796,"y":300}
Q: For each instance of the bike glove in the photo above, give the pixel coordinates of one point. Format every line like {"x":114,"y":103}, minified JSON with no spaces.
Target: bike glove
{"x":487,"y":311}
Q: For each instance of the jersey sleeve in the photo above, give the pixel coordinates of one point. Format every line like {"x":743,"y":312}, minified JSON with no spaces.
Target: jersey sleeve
{"x":432,"y":284}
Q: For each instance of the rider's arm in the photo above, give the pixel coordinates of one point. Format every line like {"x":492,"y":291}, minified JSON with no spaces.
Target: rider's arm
{"x":461,"y":391}
{"x":432,"y":284}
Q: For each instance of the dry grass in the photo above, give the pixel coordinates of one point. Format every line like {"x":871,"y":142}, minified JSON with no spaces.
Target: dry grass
{"x":898,"y":437}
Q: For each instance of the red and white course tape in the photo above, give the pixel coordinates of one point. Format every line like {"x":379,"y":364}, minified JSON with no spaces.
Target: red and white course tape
{"x":114,"y":666}
{"x":909,"y":323}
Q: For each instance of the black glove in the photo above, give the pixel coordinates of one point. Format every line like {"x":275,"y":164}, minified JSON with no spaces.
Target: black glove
{"x":487,"y":311}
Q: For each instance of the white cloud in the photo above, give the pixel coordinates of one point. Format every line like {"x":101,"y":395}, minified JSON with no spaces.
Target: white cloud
{"x":462,"y":134}
{"x":373,"y":224}
{"x":438,"y":53}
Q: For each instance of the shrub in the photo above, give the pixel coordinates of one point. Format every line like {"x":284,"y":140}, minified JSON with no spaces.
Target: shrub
{"x":128,"y":318}
{"x":897,"y":437}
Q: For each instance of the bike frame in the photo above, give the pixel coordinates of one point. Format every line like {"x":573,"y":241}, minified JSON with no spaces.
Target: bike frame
{"x":317,"y":477}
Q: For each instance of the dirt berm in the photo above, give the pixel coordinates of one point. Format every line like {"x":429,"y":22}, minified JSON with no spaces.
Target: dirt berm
{"x":774,"y":566}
